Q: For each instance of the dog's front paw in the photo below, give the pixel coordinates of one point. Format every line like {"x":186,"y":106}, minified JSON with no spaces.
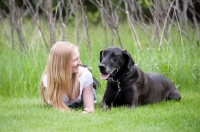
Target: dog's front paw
{"x":132,"y":106}
{"x":102,"y":104}
{"x":106,"y":107}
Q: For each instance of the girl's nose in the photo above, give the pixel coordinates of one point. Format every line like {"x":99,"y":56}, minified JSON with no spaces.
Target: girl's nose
{"x":79,"y":62}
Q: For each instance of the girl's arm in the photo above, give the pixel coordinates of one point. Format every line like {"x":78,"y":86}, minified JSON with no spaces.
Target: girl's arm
{"x":88,"y":99}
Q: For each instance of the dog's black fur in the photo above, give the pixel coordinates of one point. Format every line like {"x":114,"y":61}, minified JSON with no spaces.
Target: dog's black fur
{"x":128,"y":85}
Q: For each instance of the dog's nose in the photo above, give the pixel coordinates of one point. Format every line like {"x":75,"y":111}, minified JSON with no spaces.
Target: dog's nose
{"x":102,"y":66}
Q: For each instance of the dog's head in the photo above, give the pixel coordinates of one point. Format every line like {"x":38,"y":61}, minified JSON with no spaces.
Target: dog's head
{"x":112,"y":59}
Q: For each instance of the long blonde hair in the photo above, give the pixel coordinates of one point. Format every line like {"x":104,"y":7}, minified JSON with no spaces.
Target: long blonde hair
{"x":60,"y":79}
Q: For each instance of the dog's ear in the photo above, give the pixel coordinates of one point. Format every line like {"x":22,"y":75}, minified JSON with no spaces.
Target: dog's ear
{"x":101,"y":55}
{"x":130,"y":62}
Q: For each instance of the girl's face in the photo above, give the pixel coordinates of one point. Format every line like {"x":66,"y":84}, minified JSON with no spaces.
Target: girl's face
{"x":76,"y":62}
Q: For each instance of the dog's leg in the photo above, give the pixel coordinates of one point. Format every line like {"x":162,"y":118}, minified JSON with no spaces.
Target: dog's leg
{"x":175,"y":95}
{"x":105,"y":106}
{"x":135,"y":99}
{"x":107,"y":98}
{"x":132,"y":106}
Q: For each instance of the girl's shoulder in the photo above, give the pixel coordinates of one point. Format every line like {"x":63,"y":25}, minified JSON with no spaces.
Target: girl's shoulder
{"x":85,"y":77}
{"x":84,"y":72}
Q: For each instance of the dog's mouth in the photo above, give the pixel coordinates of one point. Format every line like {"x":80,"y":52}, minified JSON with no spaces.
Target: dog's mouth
{"x":105,"y":76}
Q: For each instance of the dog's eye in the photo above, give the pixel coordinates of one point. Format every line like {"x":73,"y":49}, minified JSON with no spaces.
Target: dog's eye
{"x":103,"y":53}
{"x":115,"y":55}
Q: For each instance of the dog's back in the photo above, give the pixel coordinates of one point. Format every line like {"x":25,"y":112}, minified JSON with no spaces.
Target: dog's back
{"x":158,"y":88}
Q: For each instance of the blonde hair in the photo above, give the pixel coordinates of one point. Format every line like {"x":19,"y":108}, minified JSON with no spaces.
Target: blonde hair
{"x":60,"y":79}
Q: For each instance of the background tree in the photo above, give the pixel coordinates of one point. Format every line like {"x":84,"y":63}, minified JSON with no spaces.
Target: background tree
{"x":162,"y":15}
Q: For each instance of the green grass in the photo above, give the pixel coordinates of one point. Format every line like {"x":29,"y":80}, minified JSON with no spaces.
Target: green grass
{"x":22,"y":110}
{"x":27,"y":114}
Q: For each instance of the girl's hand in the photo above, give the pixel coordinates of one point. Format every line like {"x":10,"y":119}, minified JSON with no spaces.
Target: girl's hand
{"x":88,"y":110}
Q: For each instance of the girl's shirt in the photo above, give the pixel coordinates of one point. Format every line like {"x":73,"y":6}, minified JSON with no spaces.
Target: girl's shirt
{"x":85,"y":79}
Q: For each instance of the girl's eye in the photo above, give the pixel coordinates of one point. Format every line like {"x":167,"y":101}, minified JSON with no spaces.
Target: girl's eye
{"x":75,"y":59}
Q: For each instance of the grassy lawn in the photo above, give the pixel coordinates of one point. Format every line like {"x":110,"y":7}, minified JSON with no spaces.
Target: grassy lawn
{"x":27,"y":114}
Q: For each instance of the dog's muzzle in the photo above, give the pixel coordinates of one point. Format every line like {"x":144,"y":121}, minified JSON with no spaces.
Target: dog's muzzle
{"x":107,"y":71}
{"x":102,"y":68}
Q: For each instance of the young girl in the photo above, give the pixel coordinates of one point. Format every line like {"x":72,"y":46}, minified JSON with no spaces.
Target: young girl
{"x":64,"y":83}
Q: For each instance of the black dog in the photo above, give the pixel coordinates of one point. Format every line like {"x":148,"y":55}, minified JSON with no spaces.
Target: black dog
{"x":128,"y":85}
